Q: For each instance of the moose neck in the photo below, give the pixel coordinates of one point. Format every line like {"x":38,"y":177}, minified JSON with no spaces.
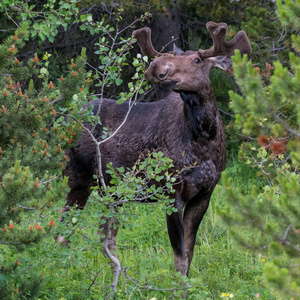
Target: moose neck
{"x":201,"y":112}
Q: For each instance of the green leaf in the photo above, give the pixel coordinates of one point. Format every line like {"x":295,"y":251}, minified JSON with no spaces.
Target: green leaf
{"x":44,"y":71}
{"x":82,"y":18}
{"x":89,"y":18}
{"x":119,"y":81}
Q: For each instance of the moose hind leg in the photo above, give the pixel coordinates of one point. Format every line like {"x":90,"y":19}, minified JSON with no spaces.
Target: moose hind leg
{"x":80,"y":183}
{"x":77,"y":196}
{"x":80,"y":170}
{"x":193,"y":214}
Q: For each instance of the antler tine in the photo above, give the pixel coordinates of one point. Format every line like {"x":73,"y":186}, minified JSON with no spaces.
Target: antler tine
{"x":143,"y":37}
{"x":221,"y":46}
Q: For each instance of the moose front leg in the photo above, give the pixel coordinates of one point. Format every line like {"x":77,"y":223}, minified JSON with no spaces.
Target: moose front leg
{"x":176,"y":235}
{"x":193,"y":214}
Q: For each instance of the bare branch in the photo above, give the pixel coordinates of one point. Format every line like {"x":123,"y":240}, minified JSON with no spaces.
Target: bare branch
{"x":146,"y":285}
{"x":12,"y":19}
{"x":114,"y":260}
{"x":290,"y":130}
{"x":93,"y":282}
{"x":25,"y":207}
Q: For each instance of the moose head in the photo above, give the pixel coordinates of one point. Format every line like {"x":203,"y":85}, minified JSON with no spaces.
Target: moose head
{"x":189,"y":70}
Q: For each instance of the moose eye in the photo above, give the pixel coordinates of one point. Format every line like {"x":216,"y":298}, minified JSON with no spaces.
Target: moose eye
{"x":197,"y":60}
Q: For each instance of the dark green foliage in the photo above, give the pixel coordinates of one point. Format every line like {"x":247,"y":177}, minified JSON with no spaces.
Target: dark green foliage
{"x":268,"y":113}
{"x":32,"y":144}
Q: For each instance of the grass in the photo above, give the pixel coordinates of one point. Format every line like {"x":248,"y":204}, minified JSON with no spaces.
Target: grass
{"x":82,"y":272}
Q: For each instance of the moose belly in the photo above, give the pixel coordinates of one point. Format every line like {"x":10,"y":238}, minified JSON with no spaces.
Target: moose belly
{"x":199,"y":180}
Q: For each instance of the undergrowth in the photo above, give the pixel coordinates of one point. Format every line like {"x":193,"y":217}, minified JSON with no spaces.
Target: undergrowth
{"x":219,"y":268}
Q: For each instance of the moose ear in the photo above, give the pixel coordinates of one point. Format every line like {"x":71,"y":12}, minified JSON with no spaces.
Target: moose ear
{"x":177,"y":50}
{"x":222,"y":62}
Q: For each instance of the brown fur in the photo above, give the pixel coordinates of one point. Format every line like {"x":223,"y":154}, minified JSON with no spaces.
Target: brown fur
{"x":185,"y":126}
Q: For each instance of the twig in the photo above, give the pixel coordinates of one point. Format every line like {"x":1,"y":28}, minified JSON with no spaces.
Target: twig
{"x":226,"y":113}
{"x":12,"y":19}
{"x":147,"y":286}
{"x":290,"y":130}
{"x":125,"y":118}
{"x":25,"y":207}
{"x":95,"y":278}
{"x":286,"y":232}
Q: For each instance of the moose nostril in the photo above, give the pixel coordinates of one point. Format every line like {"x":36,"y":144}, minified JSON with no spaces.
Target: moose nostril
{"x":162,"y":76}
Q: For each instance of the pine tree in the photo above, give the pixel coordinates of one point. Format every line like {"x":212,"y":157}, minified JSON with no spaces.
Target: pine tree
{"x":268,"y":113}
{"x":33,"y":137}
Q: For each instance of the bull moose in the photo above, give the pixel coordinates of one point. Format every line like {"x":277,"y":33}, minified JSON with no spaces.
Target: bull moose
{"x":185,"y":126}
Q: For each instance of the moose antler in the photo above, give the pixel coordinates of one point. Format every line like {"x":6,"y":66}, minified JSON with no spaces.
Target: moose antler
{"x":143,"y":37}
{"x":221,"y":46}
{"x":218,"y":34}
